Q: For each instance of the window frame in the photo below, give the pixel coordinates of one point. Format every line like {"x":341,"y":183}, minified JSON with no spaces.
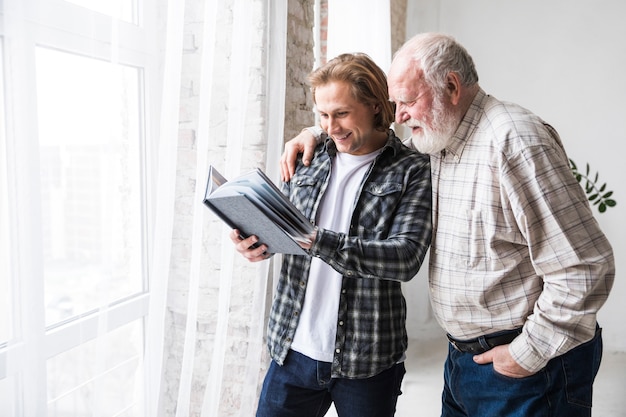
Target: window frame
{"x":64,"y":26}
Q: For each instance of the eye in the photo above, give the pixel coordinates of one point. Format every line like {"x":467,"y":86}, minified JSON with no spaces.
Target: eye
{"x":407,"y":104}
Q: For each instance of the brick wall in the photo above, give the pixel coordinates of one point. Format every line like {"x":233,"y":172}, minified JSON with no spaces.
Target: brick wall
{"x":398,"y":24}
{"x":297,"y":114}
{"x":300,"y":61}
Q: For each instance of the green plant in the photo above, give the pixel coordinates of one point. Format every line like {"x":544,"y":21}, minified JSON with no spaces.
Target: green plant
{"x":597,"y":194}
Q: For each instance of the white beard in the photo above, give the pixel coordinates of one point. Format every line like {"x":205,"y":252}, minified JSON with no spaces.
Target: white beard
{"x":431,"y":142}
{"x":434,"y":139}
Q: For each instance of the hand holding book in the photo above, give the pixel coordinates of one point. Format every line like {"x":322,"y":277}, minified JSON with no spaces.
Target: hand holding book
{"x":254,"y":205}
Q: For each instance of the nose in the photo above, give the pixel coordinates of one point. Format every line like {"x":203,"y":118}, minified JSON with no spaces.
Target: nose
{"x":332,"y":124}
{"x":401,"y":115}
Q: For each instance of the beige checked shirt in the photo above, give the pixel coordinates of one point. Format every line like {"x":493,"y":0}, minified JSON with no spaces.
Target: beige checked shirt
{"x":514,"y":239}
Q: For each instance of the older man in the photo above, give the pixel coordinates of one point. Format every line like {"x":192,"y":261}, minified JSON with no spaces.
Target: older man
{"x":518,"y":265}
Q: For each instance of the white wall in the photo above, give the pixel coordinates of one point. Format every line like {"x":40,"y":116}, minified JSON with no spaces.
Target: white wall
{"x":347,"y":33}
{"x":564,"y":60}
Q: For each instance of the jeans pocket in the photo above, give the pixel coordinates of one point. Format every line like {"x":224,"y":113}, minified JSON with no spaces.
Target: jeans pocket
{"x":580,"y":367}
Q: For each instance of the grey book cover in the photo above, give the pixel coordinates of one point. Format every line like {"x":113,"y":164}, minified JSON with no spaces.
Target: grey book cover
{"x":253,"y":204}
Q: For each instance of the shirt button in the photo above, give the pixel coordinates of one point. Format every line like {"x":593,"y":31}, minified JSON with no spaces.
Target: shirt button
{"x":341,"y":322}
{"x":337,"y":350}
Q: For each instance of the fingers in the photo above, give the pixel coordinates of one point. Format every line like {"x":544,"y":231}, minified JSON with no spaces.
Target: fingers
{"x":503,"y":362}
{"x":288,"y":159}
{"x":484,"y":358}
{"x":307,"y":154}
{"x":304,"y":143}
{"x":286,"y":172}
{"x":235,"y":236}
{"x":247,"y":247}
{"x":311,"y":239}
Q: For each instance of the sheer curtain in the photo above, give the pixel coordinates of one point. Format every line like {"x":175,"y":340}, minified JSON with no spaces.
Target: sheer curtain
{"x":120,"y":294}
{"x":75,"y":137}
{"x":214,"y":304}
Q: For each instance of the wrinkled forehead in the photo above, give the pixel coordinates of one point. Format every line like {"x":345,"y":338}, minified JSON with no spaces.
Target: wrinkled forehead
{"x":405,"y":79}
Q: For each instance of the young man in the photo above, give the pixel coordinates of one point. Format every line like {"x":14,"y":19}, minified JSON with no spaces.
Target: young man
{"x":518,"y":266}
{"x":337,"y":326}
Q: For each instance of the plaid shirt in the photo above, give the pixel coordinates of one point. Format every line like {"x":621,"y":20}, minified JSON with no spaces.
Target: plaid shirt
{"x":389,"y":235}
{"x":514,"y":240}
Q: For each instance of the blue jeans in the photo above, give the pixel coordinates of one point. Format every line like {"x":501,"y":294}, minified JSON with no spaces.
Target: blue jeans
{"x":302,"y":387}
{"x":562,"y":388}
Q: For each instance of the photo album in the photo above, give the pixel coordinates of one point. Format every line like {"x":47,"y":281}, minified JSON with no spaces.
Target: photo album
{"x":254,"y":205}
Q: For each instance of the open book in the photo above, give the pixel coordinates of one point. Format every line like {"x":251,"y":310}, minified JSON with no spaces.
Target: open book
{"x":253,"y":204}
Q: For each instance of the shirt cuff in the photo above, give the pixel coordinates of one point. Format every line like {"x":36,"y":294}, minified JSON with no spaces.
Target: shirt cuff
{"x":525,"y":356}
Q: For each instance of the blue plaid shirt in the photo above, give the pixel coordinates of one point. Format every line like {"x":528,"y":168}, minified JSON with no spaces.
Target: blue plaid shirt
{"x":389,"y":235}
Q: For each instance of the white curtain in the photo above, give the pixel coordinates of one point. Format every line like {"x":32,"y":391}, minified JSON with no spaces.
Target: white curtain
{"x":214,"y":362}
{"x":164,"y":203}
{"x":77,"y":100}
{"x":120,"y":294}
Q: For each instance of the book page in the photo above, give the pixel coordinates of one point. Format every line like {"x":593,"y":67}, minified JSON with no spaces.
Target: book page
{"x":266,"y":196}
{"x":216,"y":180}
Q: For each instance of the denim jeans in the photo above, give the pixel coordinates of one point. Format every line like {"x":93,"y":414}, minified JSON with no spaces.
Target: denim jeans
{"x":302,"y":387}
{"x":562,"y":388}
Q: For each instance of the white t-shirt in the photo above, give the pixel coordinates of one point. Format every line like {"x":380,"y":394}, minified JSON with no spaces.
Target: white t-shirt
{"x":317,"y":328}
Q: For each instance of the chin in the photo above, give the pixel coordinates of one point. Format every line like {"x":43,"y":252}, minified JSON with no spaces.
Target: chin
{"x":428,"y":145}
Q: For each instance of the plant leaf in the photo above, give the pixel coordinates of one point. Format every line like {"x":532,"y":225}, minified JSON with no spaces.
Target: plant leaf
{"x":596,"y":194}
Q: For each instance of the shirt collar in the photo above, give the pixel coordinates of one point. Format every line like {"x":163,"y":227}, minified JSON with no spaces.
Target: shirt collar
{"x":467,"y":126}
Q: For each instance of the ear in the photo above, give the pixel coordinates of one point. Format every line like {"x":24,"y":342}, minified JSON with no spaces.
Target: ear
{"x":453,"y":88}
{"x":376,"y":108}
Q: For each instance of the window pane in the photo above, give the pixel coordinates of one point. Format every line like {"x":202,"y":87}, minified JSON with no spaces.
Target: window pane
{"x":90,"y":158}
{"x":7,"y":395}
{"x":125,"y":10}
{"x":104,"y":374}
{"x":5,"y":270}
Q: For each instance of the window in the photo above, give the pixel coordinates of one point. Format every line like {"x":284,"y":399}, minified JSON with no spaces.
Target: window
{"x":5,"y":297}
{"x":90,"y":155}
{"x":125,"y":10}
{"x":75,"y":150}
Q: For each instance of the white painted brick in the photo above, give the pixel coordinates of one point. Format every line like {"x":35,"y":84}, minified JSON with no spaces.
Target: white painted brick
{"x":298,"y":114}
